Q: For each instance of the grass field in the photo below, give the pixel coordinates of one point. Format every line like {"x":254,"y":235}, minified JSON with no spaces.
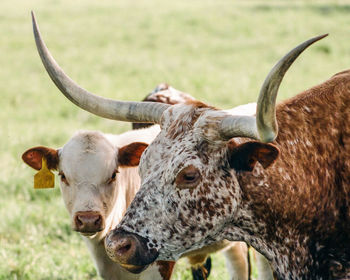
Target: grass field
{"x":218,"y":50}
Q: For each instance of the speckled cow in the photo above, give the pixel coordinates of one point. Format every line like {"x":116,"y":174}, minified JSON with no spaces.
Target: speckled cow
{"x":210,"y":176}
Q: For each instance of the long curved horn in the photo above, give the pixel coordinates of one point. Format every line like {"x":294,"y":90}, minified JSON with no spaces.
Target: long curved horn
{"x":104,"y":107}
{"x":264,"y":126}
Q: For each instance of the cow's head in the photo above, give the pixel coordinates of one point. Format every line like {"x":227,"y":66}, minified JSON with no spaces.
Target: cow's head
{"x":189,"y":194}
{"x":88,"y":169}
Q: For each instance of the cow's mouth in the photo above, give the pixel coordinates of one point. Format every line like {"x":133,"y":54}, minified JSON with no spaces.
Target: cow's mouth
{"x":134,"y":268}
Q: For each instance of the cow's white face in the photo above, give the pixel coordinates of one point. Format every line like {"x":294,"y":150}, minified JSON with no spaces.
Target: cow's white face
{"x":92,"y":189}
{"x":189,"y":192}
{"x":88,"y":171}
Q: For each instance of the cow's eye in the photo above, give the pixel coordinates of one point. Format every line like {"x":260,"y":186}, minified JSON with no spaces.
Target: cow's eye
{"x":63,"y":178}
{"x":112,"y":179}
{"x":188,"y":177}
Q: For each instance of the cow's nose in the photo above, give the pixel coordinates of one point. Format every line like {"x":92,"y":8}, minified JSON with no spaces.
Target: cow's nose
{"x":124,"y":248}
{"x":129,"y":250}
{"x":88,"y":222}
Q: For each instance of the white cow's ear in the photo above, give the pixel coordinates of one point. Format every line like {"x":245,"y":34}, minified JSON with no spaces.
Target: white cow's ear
{"x":130,"y":155}
{"x":33,"y":157}
{"x":243,"y":157}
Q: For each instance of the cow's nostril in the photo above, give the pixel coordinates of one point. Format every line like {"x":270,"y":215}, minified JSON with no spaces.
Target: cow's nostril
{"x":98,"y":221}
{"x":124,"y":249}
{"x":78,"y":222}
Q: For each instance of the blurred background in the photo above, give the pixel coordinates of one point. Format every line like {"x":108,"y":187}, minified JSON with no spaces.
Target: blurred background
{"x":219,"y":51}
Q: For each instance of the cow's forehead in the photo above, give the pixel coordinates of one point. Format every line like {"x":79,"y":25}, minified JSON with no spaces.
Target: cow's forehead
{"x":186,"y":125}
{"x":88,"y":153}
{"x":192,"y":118}
{"x":184,"y":129}
{"x":87,"y":142}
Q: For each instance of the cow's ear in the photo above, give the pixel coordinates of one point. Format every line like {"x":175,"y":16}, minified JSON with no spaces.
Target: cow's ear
{"x":243,"y":157}
{"x":130,"y":155}
{"x":33,"y":157}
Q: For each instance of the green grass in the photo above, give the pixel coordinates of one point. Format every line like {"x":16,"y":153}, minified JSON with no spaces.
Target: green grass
{"x":220,"y":51}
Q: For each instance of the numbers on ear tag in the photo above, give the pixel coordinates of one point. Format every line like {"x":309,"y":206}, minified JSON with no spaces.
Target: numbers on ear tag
{"x":44,"y":179}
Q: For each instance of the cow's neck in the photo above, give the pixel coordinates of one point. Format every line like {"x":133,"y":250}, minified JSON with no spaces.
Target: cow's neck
{"x":127,"y":184}
{"x":298,"y":208}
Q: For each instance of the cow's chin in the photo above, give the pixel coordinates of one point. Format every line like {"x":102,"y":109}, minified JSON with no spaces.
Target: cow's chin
{"x":136,"y":269}
{"x":89,"y":234}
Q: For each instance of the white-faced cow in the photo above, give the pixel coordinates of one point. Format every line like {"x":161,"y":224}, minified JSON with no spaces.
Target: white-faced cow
{"x":210,"y":176}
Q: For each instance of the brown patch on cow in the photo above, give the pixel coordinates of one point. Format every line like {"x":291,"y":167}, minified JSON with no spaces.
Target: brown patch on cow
{"x":345,"y":73}
{"x":198,"y":104}
{"x":244,"y":157}
{"x":197,"y":259}
{"x":130,"y":155}
{"x":33,"y":157}
{"x":231,"y":144}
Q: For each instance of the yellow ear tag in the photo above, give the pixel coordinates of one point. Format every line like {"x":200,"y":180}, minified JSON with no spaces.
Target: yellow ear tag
{"x":44,"y":178}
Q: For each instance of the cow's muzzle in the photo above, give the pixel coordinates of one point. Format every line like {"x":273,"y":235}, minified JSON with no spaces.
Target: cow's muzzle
{"x":129,"y":250}
{"x":88,"y":222}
